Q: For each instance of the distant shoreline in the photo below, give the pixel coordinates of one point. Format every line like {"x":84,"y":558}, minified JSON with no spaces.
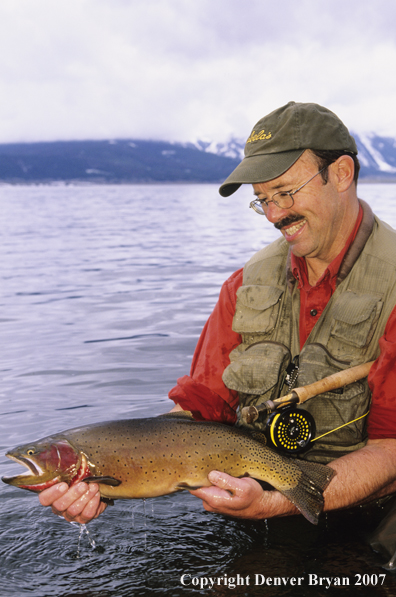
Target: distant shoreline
{"x":379,"y":180}
{"x":81,"y":183}
{"x":152,"y":162}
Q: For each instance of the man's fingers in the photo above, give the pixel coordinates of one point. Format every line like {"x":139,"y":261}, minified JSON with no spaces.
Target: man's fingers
{"x":50,"y":495}
{"x":72,"y":495}
{"x":223,"y":481}
{"x":79,"y":503}
{"x":224,"y":489}
{"x":85,"y":510}
{"x":231,"y":496}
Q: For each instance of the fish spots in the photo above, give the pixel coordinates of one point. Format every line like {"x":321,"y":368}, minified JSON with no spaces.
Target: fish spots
{"x":155,"y":456}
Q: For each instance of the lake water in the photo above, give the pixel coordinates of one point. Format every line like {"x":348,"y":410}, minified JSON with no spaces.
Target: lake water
{"x":104,"y":291}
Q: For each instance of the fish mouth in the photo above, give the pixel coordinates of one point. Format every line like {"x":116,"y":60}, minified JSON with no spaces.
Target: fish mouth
{"x":33,"y":475}
{"x":36,"y":479}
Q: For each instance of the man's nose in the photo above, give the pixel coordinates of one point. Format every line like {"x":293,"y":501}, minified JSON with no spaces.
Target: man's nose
{"x":274,"y":213}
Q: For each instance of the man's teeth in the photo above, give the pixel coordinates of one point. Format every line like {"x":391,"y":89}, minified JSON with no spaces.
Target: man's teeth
{"x":293,"y":229}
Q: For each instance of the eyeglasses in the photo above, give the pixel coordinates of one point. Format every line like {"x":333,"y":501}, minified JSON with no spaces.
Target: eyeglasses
{"x":283,"y":199}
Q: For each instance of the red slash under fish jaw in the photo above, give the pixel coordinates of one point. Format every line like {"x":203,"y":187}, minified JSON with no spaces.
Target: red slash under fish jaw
{"x":41,"y":486}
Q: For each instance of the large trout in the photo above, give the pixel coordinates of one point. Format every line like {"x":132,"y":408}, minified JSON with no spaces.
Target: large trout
{"x":141,"y":458}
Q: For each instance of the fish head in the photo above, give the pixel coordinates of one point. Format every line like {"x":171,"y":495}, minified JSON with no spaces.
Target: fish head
{"x":47,"y":462}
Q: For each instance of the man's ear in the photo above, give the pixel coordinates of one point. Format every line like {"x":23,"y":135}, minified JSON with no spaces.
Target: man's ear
{"x":343,"y":170}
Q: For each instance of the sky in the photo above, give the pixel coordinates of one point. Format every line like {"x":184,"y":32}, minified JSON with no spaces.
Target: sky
{"x":182,"y":70}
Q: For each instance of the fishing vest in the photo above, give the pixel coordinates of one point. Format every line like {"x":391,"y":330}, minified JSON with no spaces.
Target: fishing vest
{"x":346,"y":334}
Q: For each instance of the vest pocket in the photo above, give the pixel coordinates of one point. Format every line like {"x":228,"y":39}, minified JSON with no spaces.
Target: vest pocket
{"x":355,"y":320}
{"x":333,"y":410}
{"x":258,"y":370}
{"x":257,"y":309}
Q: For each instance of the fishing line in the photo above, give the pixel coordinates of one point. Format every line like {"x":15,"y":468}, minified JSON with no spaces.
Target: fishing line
{"x":340,"y":427}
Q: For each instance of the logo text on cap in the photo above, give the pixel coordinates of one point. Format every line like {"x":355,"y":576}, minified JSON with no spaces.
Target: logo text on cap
{"x":261,"y":136}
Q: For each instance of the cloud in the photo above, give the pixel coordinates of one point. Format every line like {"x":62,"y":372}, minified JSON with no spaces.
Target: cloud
{"x":184,"y":69}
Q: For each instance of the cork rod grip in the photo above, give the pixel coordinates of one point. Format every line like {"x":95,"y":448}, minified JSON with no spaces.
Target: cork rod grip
{"x":333,"y":382}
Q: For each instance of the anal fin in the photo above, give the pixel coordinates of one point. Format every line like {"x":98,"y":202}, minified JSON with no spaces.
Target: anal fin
{"x":187,"y":486}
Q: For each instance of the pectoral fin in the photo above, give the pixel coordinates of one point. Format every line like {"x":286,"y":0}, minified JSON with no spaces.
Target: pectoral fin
{"x":104,"y":480}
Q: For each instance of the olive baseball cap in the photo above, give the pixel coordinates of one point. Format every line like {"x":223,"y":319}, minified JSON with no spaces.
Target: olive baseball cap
{"x":279,"y":139}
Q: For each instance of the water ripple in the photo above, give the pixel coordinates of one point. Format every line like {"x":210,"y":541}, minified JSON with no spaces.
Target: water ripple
{"x":98,"y":262}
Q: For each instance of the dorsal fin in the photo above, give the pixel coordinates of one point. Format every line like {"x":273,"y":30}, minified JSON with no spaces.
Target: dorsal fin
{"x":178,"y":414}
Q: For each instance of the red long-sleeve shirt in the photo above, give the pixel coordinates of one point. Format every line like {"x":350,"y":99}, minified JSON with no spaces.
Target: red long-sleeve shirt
{"x":204,"y":392}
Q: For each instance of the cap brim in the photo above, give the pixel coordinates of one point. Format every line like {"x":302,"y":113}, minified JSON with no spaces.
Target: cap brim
{"x":259,"y":168}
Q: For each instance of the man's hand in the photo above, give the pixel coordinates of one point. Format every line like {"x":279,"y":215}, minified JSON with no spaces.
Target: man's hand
{"x":79,"y":503}
{"x":242,"y":498}
{"x":364,"y":475}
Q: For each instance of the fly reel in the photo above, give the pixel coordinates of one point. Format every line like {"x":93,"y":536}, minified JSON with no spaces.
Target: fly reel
{"x":290,"y":430}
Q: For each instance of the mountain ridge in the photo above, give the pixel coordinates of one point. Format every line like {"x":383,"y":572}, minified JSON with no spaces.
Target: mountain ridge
{"x":377,"y":154}
{"x":115,"y":161}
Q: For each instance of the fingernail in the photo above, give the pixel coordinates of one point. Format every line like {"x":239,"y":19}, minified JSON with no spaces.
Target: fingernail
{"x":62,"y":487}
{"x":81,"y":487}
{"x":214,"y":476}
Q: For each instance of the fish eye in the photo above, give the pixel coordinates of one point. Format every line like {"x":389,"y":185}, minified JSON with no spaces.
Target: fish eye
{"x":30,"y":452}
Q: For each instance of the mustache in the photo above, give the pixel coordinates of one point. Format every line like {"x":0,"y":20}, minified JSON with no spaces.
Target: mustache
{"x":287,"y":221}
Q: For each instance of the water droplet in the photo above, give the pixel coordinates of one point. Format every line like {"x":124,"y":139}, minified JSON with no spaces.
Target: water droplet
{"x":83,"y":529}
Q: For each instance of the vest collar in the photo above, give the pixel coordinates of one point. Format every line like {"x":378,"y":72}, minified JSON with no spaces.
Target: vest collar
{"x":357,"y":246}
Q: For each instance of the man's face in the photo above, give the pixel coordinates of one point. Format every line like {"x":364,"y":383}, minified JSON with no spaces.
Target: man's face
{"x":313,"y":224}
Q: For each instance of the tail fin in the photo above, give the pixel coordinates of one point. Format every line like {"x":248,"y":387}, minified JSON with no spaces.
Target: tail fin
{"x":307,"y":495}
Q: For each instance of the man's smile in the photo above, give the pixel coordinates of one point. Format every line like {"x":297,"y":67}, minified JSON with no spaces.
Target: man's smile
{"x":290,"y":225}
{"x":292,"y":230}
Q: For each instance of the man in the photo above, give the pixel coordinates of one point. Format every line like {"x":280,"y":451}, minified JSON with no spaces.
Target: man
{"x":321,"y":297}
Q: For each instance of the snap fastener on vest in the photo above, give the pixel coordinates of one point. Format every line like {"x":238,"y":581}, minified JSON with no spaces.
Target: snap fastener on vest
{"x":313,"y":312}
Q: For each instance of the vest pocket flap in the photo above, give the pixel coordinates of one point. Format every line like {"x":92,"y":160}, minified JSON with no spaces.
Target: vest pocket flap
{"x":355,"y":318}
{"x":354,"y":308}
{"x":258,"y":368}
{"x":256,"y":309}
{"x":259,"y":297}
